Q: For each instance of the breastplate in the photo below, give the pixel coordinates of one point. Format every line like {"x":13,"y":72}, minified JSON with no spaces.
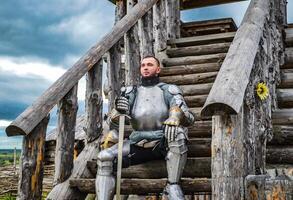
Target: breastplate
{"x":149,"y":110}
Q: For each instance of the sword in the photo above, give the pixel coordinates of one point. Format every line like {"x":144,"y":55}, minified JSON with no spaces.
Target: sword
{"x":120,"y":147}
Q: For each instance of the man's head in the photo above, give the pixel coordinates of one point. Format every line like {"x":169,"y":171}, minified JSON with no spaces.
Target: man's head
{"x":149,"y":67}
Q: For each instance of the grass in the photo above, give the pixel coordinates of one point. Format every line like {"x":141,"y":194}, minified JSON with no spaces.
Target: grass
{"x":6,"y":157}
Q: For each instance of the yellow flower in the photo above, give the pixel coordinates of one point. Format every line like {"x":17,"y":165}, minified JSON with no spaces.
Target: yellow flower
{"x":262,"y":91}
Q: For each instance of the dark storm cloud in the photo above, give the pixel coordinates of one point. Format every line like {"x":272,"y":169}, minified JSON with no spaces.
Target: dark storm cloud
{"x":24,"y":27}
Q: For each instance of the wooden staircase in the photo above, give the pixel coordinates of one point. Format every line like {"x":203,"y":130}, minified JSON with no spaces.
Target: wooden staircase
{"x":193,"y":65}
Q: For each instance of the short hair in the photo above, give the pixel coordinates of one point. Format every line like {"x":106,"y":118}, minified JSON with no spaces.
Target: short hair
{"x":156,"y":59}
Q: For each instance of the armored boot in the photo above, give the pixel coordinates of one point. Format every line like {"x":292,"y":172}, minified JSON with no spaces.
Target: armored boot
{"x":176,"y":159}
{"x":105,"y":181}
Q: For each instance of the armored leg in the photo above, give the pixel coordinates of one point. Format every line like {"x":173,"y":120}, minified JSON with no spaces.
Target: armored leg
{"x":105,"y":181}
{"x":176,"y":159}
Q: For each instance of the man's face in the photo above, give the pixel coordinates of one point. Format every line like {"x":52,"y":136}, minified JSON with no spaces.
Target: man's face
{"x":149,"y":67}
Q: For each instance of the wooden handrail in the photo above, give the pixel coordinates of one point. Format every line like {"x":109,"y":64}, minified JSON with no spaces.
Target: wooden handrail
{"x":30,"y":118}
{"x":228,"y":90}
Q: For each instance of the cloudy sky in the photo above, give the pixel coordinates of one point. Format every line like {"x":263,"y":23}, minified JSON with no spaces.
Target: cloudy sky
{"x":41,"y":39}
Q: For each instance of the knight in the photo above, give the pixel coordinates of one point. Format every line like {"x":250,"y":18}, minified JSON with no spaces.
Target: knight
{"x":159,"y":117}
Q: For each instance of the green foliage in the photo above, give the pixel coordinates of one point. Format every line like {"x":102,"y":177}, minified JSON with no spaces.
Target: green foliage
{"x":8,"y":196}
{"x":6,"y":157}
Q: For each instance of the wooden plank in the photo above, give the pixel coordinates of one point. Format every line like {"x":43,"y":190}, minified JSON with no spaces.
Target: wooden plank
{"x":196,"y":100}
{"x":190,"y":79}
{"x":67,"y":110}
{"x":289,"y":37}
{"x":286,"y":79}
{"x":195,"y":167}
{"x":32,"y":163}
{"x":197,"y":89}
{"x":204,"y":23}
{"x":146,"y":186}
{"x":26,"y":121}
{"x":94,"y":102}
{"x":228,"y":91}
{"x":204,"y":39}
{"x":285,"y":98}
{"x":189,"y":60}
{"x":283,"y":117}
{"x":279,"y":155}
{"x":191,"y":4}
{"x":190,"y":69}
{"x":289,"y":55}
{"x":283,"y":135}
{"x":199,"y":50}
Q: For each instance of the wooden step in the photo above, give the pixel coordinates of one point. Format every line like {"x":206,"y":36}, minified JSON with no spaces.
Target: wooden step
{"x":289,"y":55}
{"x":195,"y":167}
{"x":189,"y":90}
{"x":206,"y":27}
{"x":189,"y":60}
{"x":146,"y":186}
{"x":190,"y":69}
{"x":283,"y":117}
{"x":196,"y":100}
{"x":198,"y":50}
{"x":285,"y":98}
{"x":203,"y":39}
{"x":283,"y":135}
{"x":190,"y":79}
{"x":289,"y":37}
{"x":286,"y":78}
{"x":280,"y":155}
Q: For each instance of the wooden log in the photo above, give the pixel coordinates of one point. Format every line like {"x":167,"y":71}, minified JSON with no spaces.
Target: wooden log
{"x":227,"y":162}
{"x":228,"y":91}
{"x":268,"y":187}
{"x":132,"y":53}
{"x":283,"y":135}
{"x":26,"y":121}
{"x":190,"y":79}
{"x":189,"y":60}
{"x":286,"y":79}
{"x":146,"y":186}
{"x":145,"y":33}
{"x":190,"y":69}
{"x":199,"y":50}
{"x":196,"y":101}
{"x":208,"y":23}
{"x":289,"y":55}
{"x":115,"y":74}
{"x":279,"y":155}
{"x":159,"y":26}
{"x":190,"y":4}
{"x":63,"y":190}
{"x":285,"y":98}
{"x":67,"y":109}
{"x":173,"y":19}
{"x":196,"y":112}
{"x":31,"y":163}
{"x":195,"y":167}
{"x":94,"y":102}
{"x":283,"y":117}
{"x":289,"y":37}
{"x":204,"y":39}
{"x":196,"y":89}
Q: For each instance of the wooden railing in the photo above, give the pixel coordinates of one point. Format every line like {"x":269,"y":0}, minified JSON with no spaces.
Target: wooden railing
{"x":241,"y":121}
{"x":32,"y":123}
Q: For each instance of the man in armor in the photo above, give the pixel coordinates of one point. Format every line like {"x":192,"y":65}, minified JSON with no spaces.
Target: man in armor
{"x":159,"y":117}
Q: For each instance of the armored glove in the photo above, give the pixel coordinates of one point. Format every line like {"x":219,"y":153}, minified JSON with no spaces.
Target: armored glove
{"x":172,"y":123}
{"x":122,"y":105}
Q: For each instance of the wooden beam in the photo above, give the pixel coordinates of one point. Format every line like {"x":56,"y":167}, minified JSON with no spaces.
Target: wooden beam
{"x":159,"y":26}
{"x":283,"y":117}
{"x":228,"y":91}
{"x":32,"y":163}
{"x":67,"y":110}
{"x":195,"y":167}
{"x":146,"y":186}
{"x":289,"y":55}
{"x":191,"y":4}
{"x":173,"y":19}
{"x":280,"y":155}
{"x":26,"y":121}
{"x":94,"y":102}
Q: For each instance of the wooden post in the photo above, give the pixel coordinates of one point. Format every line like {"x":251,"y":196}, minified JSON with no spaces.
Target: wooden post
{"x":159,"y":26}
{"x":31,"y":163}
{"x":115,"y":73}
{"x":14,"y":160}
{"x":67,"y":109}
{"x":227,"y":157}
{"x":145,"y":32}
{"x":94,"y":102}
{"x":173,"y":19}
{"x":132,"y":55}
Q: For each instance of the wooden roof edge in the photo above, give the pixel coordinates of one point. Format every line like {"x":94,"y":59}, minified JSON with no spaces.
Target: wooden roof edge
{"x":191,"y":4}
